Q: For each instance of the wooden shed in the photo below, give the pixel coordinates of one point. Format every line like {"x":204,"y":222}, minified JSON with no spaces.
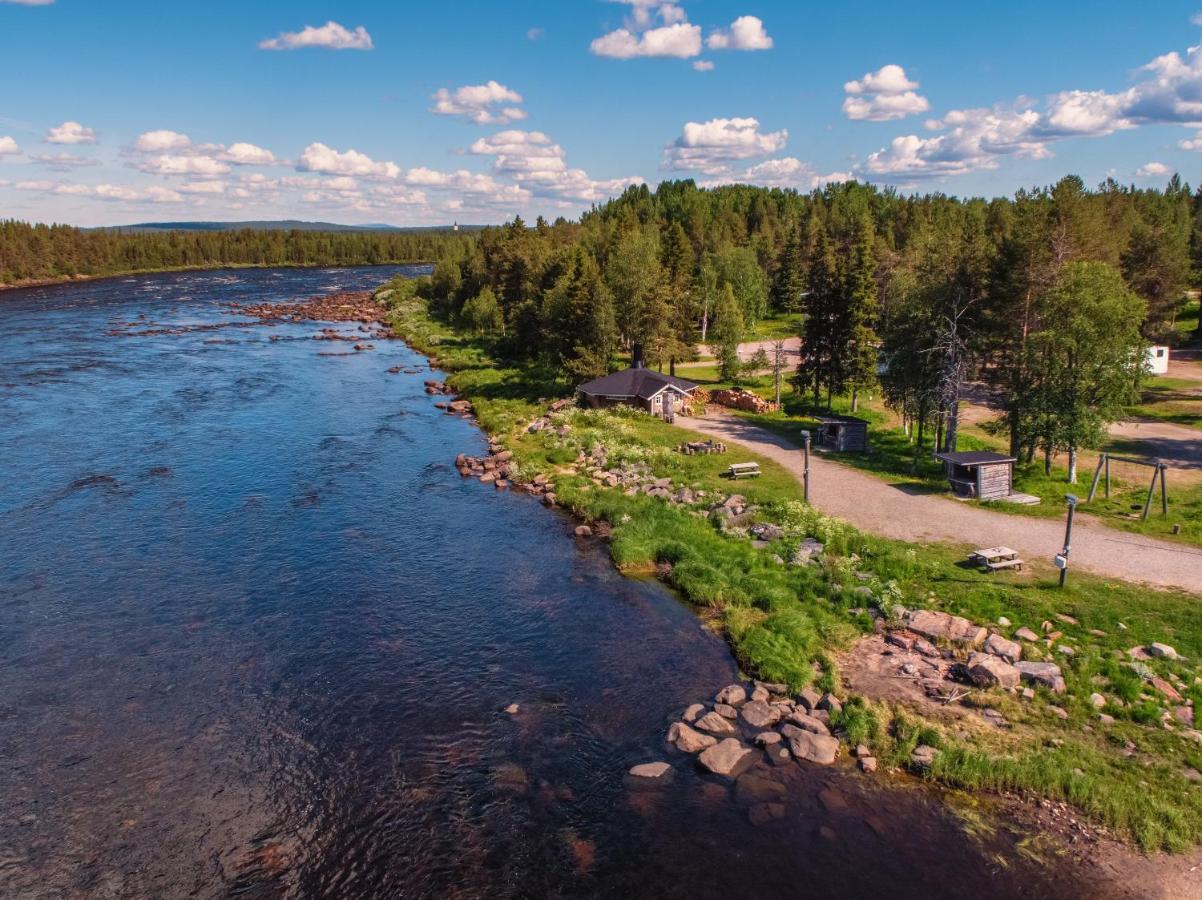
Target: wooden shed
{"x":842,"y":433}
{"x":979,"y":473}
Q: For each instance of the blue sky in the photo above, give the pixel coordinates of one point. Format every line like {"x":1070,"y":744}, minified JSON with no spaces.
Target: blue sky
{"x":408,"y":113}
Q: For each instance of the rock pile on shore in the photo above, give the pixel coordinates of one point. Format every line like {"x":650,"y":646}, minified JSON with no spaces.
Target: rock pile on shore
{"x":346,"y":306}
{"x":725,"y":733}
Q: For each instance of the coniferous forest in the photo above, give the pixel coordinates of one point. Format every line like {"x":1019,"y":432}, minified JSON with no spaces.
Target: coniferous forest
{"x":45,"y":252}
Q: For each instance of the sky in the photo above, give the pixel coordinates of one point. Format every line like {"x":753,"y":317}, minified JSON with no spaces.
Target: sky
{"x":121,"y":111}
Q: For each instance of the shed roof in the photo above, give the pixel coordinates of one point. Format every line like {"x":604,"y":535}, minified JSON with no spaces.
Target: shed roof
{"x":641,"y":383}
{"x":972,"y":458}
{"x":841,"y":420}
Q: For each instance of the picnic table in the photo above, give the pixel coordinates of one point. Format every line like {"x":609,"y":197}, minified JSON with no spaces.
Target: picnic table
{"x":743,"y":470}
{"x":997,"y":558}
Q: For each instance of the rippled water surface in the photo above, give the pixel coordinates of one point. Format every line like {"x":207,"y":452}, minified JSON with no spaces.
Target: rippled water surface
{"x":258,"y":634}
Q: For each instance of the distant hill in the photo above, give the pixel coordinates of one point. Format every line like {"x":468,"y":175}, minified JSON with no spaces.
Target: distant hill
{"x":280,"y":225}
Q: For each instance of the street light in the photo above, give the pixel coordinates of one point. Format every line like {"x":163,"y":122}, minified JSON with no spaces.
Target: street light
{"x":805,"y":472}
{"x":1062,"y":559}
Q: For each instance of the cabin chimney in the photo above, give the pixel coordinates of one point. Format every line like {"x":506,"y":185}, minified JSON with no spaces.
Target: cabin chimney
{"x":637,"y":357}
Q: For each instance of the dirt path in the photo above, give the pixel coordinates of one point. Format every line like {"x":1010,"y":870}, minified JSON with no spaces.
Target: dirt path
{"x":1178,"y":445}
{"x":895,"y":511}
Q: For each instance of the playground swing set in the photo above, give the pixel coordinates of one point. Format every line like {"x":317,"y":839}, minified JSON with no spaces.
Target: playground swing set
{"x":1158,"y":468}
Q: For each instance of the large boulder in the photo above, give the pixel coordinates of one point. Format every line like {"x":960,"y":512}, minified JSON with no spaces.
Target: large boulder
{"x":815,"y":748}
{"x":987,"y":670}
{"x":760,"y":714}
{"x":716,"y":724}
{"x":729,"y":757}
{"x":942,"y":626}
{"x":805,"y":723}
{"x":687,"y":740}
{"x":1045,"y":673}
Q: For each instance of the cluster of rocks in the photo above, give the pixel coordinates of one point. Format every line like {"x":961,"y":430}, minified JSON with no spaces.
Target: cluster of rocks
{"x":740,"y":398}
{"x":745,"y":723}
{"x":732,"y":512}
{"x":543,"y":422}
{"x":494,"y":469}
{"x":693,"y":448}
{"x":455,"y":407}
{"x":435,"y":388}
{"x":345,"y":306}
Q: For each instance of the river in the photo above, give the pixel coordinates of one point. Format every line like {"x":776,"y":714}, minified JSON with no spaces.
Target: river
{"x":258,"y":637}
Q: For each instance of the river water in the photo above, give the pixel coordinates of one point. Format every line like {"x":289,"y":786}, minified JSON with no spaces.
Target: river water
{"x":258,"y":635}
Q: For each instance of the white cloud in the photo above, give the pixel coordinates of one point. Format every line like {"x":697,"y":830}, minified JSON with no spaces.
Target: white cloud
{"x":703,"y":65}
{"x":786,"y":172}
{"x":160,"y":141}
{"x":318,"y":157}
{"x":539,"y":167}
{"x":63,"y":162}
{"x":1194,"y":143}
{"x":710,"y":146}
{"x":175,"y":164}
{"x":8,"y":147}
{"x":128,"y":194}
{"x":883,"y":95}
{"x":1152,"y":170}
{"x":70,"y":133}
{"x":680,"y":41}
{"x":202,"y":187}
{"x":1086,"y":113}
{"x":745,"y":33}
{"x":330,"y":35}
{"x":54,"y":187}
{"x":477,"y":103}
{"x":244,"y":154}
{"x":29,"y":2}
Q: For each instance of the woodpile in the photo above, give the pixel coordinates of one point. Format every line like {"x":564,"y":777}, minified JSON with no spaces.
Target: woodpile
{"x":740,"y":398}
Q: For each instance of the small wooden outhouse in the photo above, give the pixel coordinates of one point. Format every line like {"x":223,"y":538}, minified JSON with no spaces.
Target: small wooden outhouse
{"x":982,"y":474}
{"x":842,"y":433}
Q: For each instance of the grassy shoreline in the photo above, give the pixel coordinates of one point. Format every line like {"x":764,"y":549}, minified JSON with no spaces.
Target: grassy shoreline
{"x":791,"y":623}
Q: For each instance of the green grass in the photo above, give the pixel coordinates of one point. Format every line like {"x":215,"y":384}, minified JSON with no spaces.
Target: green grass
{"x":788,"y":623}
{"x":1175,"y":400}
{"x":775,"y":328}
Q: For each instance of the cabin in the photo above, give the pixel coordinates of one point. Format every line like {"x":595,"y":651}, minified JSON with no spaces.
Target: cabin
{"x":842,"y":433}
{"x":982,"y":474}
{"x":659,"y":394}
{"x":1157,"y":358}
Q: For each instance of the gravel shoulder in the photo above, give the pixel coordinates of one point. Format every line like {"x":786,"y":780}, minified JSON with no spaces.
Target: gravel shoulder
{"x":895,"y":511}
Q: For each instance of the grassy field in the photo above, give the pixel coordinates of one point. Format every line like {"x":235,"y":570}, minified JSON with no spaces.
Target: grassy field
{"x":1176,"y":400}
{"x":788,"y":623}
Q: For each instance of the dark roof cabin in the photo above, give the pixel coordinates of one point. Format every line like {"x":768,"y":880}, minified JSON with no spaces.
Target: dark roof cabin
{"x":659,"y":394}
{"x":842,"y":433}
{"x":979,"y":473}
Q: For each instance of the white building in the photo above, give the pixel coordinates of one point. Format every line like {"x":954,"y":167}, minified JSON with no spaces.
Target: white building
{"x":1157,"y":358}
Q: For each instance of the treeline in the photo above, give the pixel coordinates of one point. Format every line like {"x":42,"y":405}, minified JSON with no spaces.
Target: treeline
{"x":31,"y":252}
{"x":1050,"y":296}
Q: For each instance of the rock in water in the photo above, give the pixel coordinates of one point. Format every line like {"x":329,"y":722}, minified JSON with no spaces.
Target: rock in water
{"x":691,"y":714}
{"x":651,"y":770}
{"x":815,"y":748}
{"x":715,"y":724}
{"x":759,"y":714}
{"x":728,"y":757}
{"x":732,"y":695}
{"x":688,"y":740}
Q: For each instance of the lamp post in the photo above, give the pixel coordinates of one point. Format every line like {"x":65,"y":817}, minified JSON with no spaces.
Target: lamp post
{"x":1062,"y":559}
{"x":805,"y":472}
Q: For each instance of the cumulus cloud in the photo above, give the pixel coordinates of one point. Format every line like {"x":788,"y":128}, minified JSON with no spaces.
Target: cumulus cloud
{"x":63,"y":162}
{"x":1169,"y":92}
{"x":703,"y":65}
{"x":1194,"y":143}
{"x":174,"y":164}
{"x":710,"y":147}
{"x":202,"y":187}
{"x":680,"y":41}
{"x":1152,"y":170}
{"x":29,"y":2}
{"x":883,"y":95}
{"x":128,"y":194}
{"x":319,"y":158}
{"x":244,"y":154}
{"x":479,"y":103}
{"x":8,"y":147}
{"x":70,"y":133}
{"x":160,"y":141}
{"x":60,"y":188}
{"x":745,"y":33}
{"x":330,"y":35}
{"x":786,"y":172}
{"x":539,"y":166}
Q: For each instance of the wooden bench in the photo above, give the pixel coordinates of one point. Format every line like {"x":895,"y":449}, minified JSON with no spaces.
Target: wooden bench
{"x":1000,"y":564}
{"x":743,"y":470}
